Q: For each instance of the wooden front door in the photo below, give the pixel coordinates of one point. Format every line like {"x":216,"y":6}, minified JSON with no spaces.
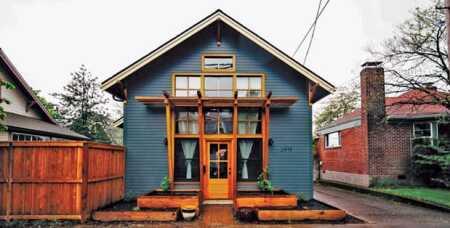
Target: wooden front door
{"x":218,"y":170}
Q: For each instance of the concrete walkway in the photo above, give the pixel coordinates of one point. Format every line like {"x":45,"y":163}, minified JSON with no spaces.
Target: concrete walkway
{"x":376,"y":210}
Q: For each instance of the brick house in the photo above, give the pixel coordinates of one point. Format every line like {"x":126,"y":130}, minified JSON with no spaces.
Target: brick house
{"x":375,"y":141}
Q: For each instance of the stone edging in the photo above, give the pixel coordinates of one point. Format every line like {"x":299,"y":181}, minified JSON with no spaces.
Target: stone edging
{"x":397,"y":198}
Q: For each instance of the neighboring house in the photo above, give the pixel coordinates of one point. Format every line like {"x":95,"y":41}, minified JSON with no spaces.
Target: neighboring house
{"x":376,"y":141}
{"x":26,"y":118}
{"x":236,"y":105}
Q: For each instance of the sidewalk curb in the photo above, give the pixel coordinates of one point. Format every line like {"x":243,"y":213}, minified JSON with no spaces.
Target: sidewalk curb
{"x":401,"y":199}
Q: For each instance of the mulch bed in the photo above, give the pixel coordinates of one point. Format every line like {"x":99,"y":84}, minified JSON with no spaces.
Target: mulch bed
{"x":130,"y":206}
{"x":251,"y":217}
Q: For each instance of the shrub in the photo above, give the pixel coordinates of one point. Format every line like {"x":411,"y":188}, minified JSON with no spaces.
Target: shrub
{"x":165,"y":184}
{"x":264,"y":183}
{"x":431,"y":164}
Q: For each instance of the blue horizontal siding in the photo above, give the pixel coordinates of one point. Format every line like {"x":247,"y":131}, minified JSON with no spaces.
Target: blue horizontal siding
{"x":290,"y":128}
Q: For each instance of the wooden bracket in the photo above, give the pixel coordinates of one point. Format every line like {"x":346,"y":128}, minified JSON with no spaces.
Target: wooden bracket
{"x":124,"y":90}
{"x":30,"y":104}
{"x":219,"y":34}
{"x":312,"y":87}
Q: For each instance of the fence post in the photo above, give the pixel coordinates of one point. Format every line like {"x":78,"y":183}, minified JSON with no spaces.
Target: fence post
{"x":9,"y":181}
{"x":84,"y":183}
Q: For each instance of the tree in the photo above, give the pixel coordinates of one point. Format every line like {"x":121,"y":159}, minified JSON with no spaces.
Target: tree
{"x":50,"y":107}
{"x":82,"y":106}
{"x":7,"y":85}
{"x":416,"y":57}
{"x":344,"y":100}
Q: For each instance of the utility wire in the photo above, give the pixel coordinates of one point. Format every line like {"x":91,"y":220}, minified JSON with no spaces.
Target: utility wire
{"x":313,"y":32}
{"x":309,"y":30}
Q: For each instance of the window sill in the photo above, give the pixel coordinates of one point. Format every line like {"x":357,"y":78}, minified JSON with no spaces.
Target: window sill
{"x":333,"y":148}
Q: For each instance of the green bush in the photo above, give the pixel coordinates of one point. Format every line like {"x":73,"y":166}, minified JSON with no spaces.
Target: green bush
{"x":431,"y":164}
{"x":264,"y":183}
{"x":165,"y":184}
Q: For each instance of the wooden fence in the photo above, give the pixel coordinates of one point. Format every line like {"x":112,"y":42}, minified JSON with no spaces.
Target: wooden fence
{"x":59,"y":179}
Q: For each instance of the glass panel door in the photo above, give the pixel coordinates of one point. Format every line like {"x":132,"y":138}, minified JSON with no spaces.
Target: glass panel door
{"x":217,"y":170}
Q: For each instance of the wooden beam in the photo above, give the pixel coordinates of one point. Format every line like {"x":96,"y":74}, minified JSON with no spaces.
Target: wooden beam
{"x":219,"y":34}
{"x":30,"y":104}
{"x":266,"y":126}
{"x":312,"y":87}
{"x":201,"y":142}
{"x":234,"y":146}
{"x":169,"y":142}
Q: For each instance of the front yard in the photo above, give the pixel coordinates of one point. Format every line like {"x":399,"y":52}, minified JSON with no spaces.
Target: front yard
{"x":433,"y":195}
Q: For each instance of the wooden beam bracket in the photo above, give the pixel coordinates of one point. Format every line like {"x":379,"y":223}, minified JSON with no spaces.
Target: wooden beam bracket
{"x":312,"y":88}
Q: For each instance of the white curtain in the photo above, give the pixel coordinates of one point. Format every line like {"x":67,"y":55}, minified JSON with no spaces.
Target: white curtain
{"x":245,"y":148}
{"x":193,"y":123}
{"x":183,"y":127}
{"x":188,"y":151}
{"x":187,"y":124}
{"x":247,"y":122}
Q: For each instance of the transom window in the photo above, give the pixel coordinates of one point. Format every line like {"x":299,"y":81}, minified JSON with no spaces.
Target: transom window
{"x":218,"y":63}
{"x":249,"y":121}
{"x":218,"y":86}
{"x":249,"y":86}
{"x":333,"y":140}
{"x":219,"y":121}
{"x":186,"y":121}
{"x":187,"y":86}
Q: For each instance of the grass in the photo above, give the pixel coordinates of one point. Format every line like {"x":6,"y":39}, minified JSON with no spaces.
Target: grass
{"x":433,"y":195}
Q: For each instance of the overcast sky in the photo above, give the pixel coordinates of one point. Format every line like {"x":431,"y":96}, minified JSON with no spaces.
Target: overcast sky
{"x":48,"y":39}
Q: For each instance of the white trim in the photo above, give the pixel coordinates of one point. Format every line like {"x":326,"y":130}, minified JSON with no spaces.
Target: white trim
{"x":339,"y":127}
{"x":201,"y":25}
{"x":339,"y":140}
{"x":431,"y":130}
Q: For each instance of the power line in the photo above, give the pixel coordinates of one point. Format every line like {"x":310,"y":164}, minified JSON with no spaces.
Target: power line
{"x":309,"y":30}
{"x":313,"y":32}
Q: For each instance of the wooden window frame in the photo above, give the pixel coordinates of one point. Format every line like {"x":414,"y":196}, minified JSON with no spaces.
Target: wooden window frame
{"x":252,"y":137}
{"x":174,"y":83}
{"x":233,"y":86}
{"x":181,"y":135}
{"x":218,"y":55}
{"x":423,"y":137}
{"x":217,"y":123}
{"x":249,"y":75}
{"x":218,"y":74}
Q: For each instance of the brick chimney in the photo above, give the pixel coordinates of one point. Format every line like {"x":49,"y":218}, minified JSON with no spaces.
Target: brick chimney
{"x":373,"y":112}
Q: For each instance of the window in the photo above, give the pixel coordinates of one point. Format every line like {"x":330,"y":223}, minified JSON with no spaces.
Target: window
{"x":218,"y":63}
{"x":28,"y":137}
{"x":187,"y":167}
{"x":333,"y":140}
{"x":444,"y":135}
{"x":219,"y":121}
{"x":187,"y":86}
{"x":249,"y":86}
{"x":249,"y":121}
{"x":249,"y":159}
{"x":218,"y":86}
{"x":422,"y":130}
{"x":186,"y":121}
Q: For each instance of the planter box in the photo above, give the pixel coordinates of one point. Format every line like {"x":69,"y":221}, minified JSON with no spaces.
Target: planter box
{"x":299,"y":215}
{"x":157,"y":199}
{"x":254,"y":199}
{"x":156,"y":216}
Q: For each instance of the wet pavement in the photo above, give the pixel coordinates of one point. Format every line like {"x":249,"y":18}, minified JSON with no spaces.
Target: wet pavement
{"x":380,"y":211}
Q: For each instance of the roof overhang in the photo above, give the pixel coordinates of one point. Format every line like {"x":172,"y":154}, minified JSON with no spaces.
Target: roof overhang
{"x":216,"y":16}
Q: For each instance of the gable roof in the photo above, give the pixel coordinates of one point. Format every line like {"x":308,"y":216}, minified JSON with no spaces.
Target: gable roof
{"x":396,"y":110}
{"x":218,"y":15}
{"x":21,"y":83}
{"x":48,"y":125}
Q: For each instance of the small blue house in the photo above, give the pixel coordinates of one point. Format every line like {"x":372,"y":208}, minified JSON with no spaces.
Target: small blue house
{"x":214,"y":107}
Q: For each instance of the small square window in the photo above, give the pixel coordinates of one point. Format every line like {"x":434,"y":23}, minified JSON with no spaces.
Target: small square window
{"x":187,"y":86}
{"x":333,"y":140}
